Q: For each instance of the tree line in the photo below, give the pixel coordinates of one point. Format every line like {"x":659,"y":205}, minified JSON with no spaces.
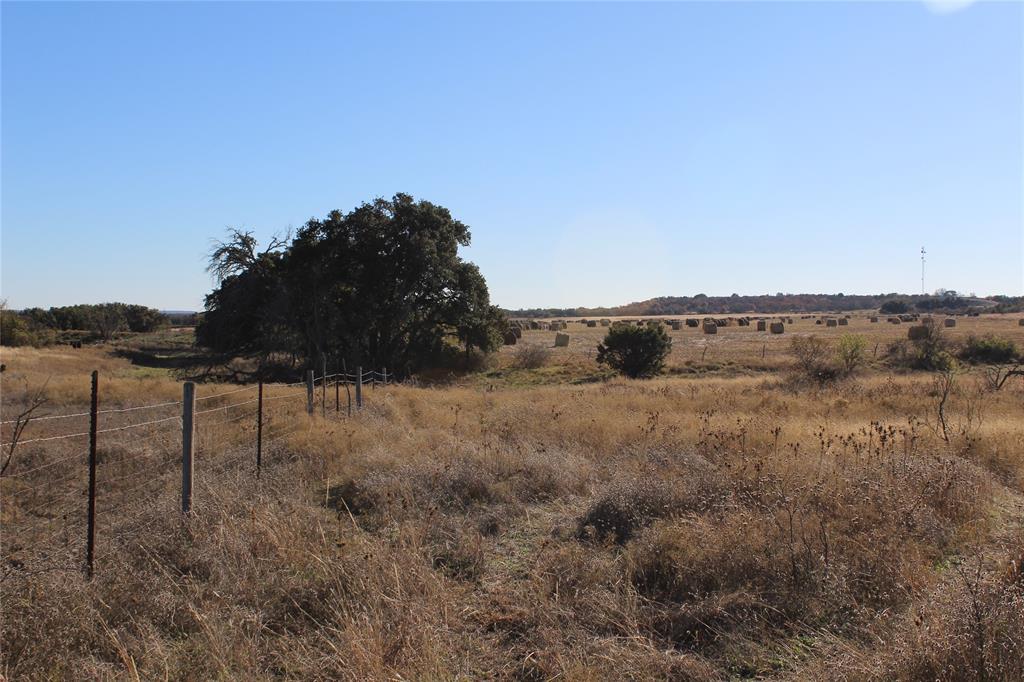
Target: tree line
{"x":43,"y":326}
{"x":381,"y":285}
{"x":764,"y":304}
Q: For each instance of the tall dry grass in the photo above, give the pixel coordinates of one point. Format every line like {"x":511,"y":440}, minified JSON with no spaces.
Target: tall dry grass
{"x":680,"y":528}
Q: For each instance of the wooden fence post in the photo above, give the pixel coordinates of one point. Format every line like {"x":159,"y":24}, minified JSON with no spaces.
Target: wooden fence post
{"x":188,"y":410}
{"x":359,"y":387}
{"x":90,"y":543}
{"x":259,"y":428}
{"x":323,"y":388}
{"x":337,"y":394}
{"x":348,"y":391}
{"x":384,"y":375}
{"x":309,"y":392}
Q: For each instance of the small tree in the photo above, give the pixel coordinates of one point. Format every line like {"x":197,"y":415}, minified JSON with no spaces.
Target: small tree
{"x":811,"y":355}
{"x":850,"y":353}
{"x":635,"y":351}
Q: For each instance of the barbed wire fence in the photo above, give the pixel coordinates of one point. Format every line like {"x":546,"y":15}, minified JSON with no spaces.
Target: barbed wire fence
{"x":84,"y":466}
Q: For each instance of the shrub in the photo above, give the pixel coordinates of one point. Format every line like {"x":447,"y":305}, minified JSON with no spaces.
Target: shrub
{"x":531,"y":356}
{"x":894,"y":308}
{"x":811,"y":354}
{"x":927,"y":349}
{"x":988,"y":350}
{"x":850,"y":353}
{"x":635,"y":351}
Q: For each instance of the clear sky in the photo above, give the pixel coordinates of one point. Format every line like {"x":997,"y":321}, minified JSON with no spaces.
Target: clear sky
{"x":600,"y":153}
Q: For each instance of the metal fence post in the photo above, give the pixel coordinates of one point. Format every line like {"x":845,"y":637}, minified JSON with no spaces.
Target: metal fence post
{"x":359,"y":387}
{"x":90,"y":543}
{"x":188,"y":410}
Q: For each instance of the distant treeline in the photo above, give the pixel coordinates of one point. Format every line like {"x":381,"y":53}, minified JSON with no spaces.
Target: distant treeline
{"x":766,"y":304}
{"x":40,"y":327}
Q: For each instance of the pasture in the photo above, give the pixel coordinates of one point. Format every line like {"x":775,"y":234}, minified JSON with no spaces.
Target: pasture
{"x":725,"y":520}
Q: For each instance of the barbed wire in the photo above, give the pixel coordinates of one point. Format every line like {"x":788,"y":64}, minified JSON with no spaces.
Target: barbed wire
{"x":218,"y":395}
{"x":227,"y":407}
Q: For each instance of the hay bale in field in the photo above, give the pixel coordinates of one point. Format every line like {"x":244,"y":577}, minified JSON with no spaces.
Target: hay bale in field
{"x":949,"y":322}
{"x":606,"y":323}
{"x":591,"y":323}
{"x":777,"y":328}
{"x":561,"y":340}
{"x":762,"y":325}
{"x":895,"y":320}
{"x":691,"y":322}
{"x":831,"y":322}
{"x":1020,"y":322}
{"x":518,"y":331}
{"x":873,"y":319}
{"x":722,"y":322}
{"x":510,"y":338}
{"x":710,"y":327}
{"x":676,"y":325}
{"x":743,"y":322}
{"x":918,"y":332}
{"x":817,"y":322}
{"x":843,"y":321}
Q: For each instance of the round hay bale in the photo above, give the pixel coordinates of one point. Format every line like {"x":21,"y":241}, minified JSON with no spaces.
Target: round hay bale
{"x":830,"y":322}
{"x":561,"y":340}
{"x":777,"y":328}
{"x":606,"y":323}
{"x":510,"y":338}
{"x":873,"y":319}
{"x":762,"y":325}
{"x":591,"y":323}
{"x":949,"y":322}
{"x":676,"y":325}
{"x":843,"y":322}
{"x":1020,"y":322}
{"x":691,"y":322}
{"x":817,"y":322}
{"x":710,"y":327}
{"x":518,"y":331}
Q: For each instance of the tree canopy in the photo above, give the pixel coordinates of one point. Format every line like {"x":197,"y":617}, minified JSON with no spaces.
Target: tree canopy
{"x":380,"y":285}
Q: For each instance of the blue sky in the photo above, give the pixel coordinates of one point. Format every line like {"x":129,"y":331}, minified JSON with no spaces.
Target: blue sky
{"x":601,"y":153}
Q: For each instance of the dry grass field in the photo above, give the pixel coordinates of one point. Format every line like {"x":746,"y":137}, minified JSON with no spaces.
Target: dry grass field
{"x":724,"y":521}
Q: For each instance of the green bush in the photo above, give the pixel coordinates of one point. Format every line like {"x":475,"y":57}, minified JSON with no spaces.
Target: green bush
{"x":988,"y":350}
{"x":850,"y":353}
{"x":635,"y":351}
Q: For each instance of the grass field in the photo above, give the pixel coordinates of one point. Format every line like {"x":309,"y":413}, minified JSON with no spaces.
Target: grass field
{"x":724,"y":521}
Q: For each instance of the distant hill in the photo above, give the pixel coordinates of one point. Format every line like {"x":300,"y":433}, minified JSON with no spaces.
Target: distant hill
{"x":765,"y":304}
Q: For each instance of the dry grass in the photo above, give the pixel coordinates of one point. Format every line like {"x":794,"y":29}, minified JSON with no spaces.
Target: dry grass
{"x":690,"y":528}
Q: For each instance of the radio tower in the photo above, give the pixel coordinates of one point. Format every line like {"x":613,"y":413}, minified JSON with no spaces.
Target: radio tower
{"x":922,"y":270}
